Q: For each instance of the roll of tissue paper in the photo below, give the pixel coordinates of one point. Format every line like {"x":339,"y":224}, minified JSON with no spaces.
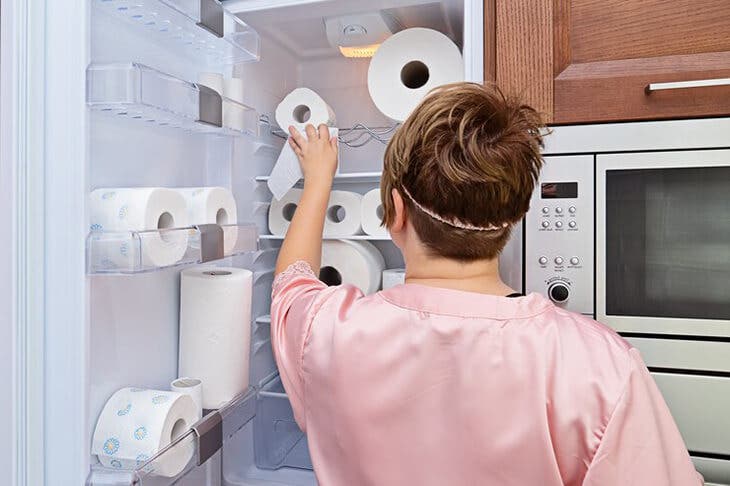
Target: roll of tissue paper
{"x":372,"y":214}
{"x":299,"y":108}
{"x":408,"y":65}
{"x":281,"y":212}
{"x":351,"y":262}
{"x":343,"y":217}
{"x":213,"y":81}
{"x":215,"y":330}
{"x":393,"y":277}
{"x":139,"y":209}
{"x":213,"y":205}
{"x":192,"y":387}
{"x":234,"y":116}
{"x":136,"y":423}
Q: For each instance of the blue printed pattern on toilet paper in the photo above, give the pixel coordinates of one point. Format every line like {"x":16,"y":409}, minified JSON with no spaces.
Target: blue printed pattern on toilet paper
{"x":141,"y":459}
{"x":123,"y":211}
{"x":137,"y":390}
{"x":111,"y":446}
{"x":96,"y":227}
{"x":108,"y":195}
{"x":116,"y":464}
{"x":140,"y":433}
{"x":158,"y":399}
{"x":125,"y":410}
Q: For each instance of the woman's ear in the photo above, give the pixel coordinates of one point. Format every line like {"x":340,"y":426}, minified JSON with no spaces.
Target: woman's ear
{"x":399,"y":221}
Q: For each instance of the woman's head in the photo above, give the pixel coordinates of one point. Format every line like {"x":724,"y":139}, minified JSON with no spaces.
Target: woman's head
{"x":464,"y":164}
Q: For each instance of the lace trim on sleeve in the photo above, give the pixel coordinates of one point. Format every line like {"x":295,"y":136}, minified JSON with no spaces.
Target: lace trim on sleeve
{"x":299,"y":267}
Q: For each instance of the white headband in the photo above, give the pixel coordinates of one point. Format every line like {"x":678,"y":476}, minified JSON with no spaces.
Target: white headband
{"x":455,"y":222}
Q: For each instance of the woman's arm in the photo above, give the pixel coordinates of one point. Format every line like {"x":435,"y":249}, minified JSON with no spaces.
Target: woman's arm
{"x":318,"y":157}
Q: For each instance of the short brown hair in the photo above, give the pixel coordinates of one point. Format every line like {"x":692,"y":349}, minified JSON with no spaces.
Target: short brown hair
{"x":470,"y":153}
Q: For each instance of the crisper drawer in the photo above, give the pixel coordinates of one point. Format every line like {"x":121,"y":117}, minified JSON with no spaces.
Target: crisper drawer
{"x":701,"y":407}
{"x":278,"y":440}
{"x":678,"y":354}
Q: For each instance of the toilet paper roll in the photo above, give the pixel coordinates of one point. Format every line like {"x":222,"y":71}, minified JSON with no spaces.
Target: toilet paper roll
{"x":351,"y":262}
{"x":281,"y":212}
{"x":408,"y":65}
{"x":192,"y":387}
{"x":344,"y":214}
{"x":299,"y":108}
{"x":393,"y":277}
{"x":213,"y":205}
{"x":139,"y":209}
{"x":213,"y":81}
{"x":234,"y":116}
{"x":215,"y":330}
{"x":136,"y":423}
{"x":372,"y":214}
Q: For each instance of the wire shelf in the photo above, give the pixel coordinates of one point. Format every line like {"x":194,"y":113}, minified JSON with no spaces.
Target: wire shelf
{"x":356,"y":136}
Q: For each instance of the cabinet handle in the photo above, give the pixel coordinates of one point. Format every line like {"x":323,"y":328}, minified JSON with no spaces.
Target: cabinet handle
{"x":700,"y":83}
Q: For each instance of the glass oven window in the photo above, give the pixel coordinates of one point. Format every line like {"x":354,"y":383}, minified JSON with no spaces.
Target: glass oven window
{"x":668,"y":242}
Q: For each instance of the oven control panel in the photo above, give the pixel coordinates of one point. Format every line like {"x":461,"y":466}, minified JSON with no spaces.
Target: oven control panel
{"x":559,"y":233}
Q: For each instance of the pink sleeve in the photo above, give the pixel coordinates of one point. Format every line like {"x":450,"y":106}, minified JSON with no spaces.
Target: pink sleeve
{"x":297,"y":296}
{"x":641,"y":443}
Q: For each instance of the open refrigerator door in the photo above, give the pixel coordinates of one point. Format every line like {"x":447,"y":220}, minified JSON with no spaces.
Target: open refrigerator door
{"x":157,"y":114}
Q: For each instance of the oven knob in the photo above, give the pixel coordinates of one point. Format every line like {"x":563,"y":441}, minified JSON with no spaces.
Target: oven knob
{"x":558,"y":292}
{"x":572,"y":224}
{"x":545,"y":210}
{"x":545,"y":224}
{"x":542,"y":260}
{"x":572,"y":209}
{"x":574,"y":261}
{"x":558,"y":260}
{"x":558,"y":224}
{"x":558,"y":210}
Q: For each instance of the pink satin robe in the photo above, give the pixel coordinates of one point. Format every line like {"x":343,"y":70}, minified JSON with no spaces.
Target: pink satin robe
{"x":424,"y":386}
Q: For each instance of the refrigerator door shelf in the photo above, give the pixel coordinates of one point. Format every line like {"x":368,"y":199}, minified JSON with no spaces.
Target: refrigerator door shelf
{"x":344,"y":178}
{"x":129,"y":252}
{"x":140,"y":93}
{"x":201,"y":440}
{"x":203,"y":30}
{"x":353,"y":237}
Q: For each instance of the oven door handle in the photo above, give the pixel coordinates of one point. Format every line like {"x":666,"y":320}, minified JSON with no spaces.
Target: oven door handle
{"x":699,"y":83}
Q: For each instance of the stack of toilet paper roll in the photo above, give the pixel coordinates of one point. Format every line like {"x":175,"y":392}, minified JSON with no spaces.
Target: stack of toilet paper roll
{"x":348,"y":214}
{"x":351,"y":262}
{"x":147,"y":209}
{"x":215,"y":331}
{"x":231,"y":91}
{"x":137,"y":423}
{"x":408,"y":65}
{"x":298,"y":109}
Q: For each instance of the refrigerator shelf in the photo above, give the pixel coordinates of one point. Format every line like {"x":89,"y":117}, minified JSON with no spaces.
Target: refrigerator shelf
{"x":356,"y":136}
{"x":201,"y":442}
{"x":353,"y":237}
{"x":346,"y":178}
{"x":130,"y":252}
{"x":143,"y":94}
{"x":203,"y":30}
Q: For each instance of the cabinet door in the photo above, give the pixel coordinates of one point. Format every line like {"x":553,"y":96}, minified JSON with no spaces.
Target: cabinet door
{"x":592,"y":60}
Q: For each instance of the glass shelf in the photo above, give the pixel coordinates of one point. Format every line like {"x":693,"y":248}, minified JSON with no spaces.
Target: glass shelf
{"x":203,"y":30}
{"x":129,"y":252}
{"x":352,"y":237}
{"x":352,"y":177}
{"x":138,"y":92}
{"x":201,"y":442}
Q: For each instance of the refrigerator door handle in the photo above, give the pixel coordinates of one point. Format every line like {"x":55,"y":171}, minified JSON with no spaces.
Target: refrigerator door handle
{"x":210,"y":436}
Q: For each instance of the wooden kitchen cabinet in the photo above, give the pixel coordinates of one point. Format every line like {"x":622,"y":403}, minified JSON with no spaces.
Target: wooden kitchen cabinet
{"x":582,"y":61}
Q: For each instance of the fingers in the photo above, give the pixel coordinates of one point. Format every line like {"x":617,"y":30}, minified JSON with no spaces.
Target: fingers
{"x":295,"y":146}
{"x":333,"y":142}
{"x":311,"y":132}
{"x":324,"y":131}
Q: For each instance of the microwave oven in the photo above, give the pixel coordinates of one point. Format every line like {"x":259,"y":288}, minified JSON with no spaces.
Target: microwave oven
{"x":640,"y":241}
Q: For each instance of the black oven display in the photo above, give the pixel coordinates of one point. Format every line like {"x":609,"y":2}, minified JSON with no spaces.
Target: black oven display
{"x":559,"y":190}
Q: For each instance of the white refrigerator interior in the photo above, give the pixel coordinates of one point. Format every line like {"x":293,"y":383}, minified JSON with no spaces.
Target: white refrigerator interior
{"x":151,"y":125}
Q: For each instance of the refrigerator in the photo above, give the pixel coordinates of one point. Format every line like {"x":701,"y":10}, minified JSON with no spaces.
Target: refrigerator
{"x":122,"y":107}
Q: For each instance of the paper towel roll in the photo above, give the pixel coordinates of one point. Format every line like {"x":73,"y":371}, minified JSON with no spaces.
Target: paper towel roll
{"x":393,"y":277}
{"x":281,"y":211}
{"x":372,"y":214}
{"x":140,"y":209}
{"x":136,"y":423}
{"x":213,"y":205}
{"x":234,"y":116}
{"x":351,"y":262}
{"x":344,"y":211}
{"x":299,"y":108}
{"x":192,"y":387}
{"x":215,"y":330}
{"x":408,"y":65}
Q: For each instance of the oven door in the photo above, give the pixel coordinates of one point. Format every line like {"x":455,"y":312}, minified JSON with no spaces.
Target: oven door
{"x":663,"y":242}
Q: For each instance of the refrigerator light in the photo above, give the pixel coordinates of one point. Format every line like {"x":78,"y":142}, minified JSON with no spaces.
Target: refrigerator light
{"x":359,"y":51}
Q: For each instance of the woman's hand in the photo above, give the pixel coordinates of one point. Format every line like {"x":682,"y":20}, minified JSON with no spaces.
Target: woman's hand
{"x":317,"y":153}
